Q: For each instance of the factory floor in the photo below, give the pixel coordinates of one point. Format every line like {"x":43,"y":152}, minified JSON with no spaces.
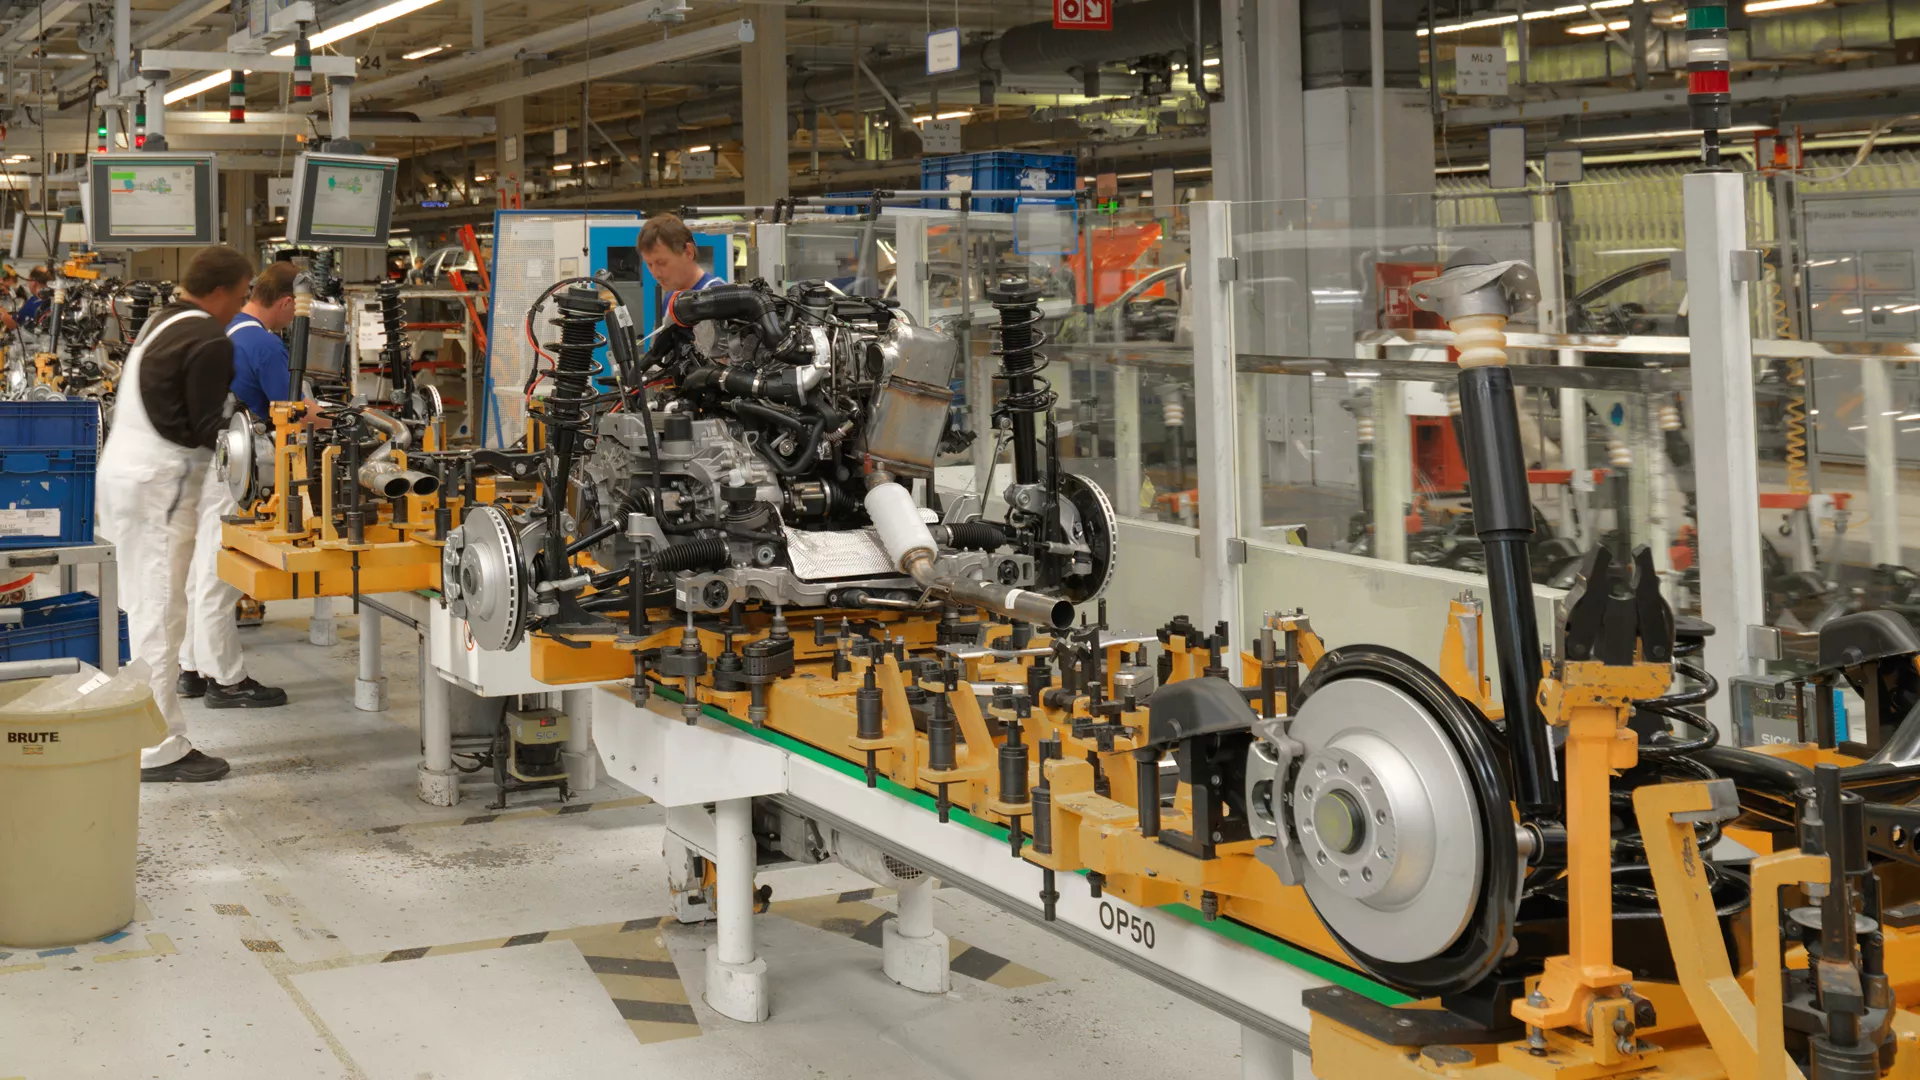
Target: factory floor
{"x":308,"y":917}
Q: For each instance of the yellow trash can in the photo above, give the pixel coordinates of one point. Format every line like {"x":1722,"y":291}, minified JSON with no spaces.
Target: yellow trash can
{"x":70,"y":812}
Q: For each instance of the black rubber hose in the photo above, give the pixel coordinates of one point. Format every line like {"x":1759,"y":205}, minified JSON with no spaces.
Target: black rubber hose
{"x":709,"y":554}
{"x":736,"y":302}
{"x":976,"y":535}
{"x":810,"y":430}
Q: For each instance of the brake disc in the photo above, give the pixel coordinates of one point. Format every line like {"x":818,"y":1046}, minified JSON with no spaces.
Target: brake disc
{"x":1403,"y":821}
{"x":485,"y":584}
{"x":1088,"y":518}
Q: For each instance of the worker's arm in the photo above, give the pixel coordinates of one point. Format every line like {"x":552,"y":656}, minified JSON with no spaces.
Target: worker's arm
{"x":209,"y":376}
{"x":275,"y":380}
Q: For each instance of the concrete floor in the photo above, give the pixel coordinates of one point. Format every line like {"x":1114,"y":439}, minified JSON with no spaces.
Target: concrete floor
{"x":309,"y":918}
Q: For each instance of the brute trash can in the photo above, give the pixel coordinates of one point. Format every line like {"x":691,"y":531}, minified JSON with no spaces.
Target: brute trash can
{"x":70,"y":803}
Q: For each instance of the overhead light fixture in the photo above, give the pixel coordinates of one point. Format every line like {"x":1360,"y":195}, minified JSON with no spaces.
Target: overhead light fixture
{"x":1759,"y":6}
{"x":365,"y":22}
{"x":481,"y":179}
{"x":698,"y":150}
{"x":200,"y":86}
{"x":1671,"y":133}
{"x":1531,"y":16}
{"x":565,"y":166}
{"x":1211,"y":61}
{"x":961,"y":115}
{"x":923,"y":119}
{"x":1598,"y":28}
{"x":419,"y":53}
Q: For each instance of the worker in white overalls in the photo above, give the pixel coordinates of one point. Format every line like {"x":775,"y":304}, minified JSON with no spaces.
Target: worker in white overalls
{"x":172,"y":405}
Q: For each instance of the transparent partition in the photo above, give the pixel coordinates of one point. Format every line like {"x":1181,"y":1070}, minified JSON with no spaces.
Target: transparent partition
{"x":853,"y":253}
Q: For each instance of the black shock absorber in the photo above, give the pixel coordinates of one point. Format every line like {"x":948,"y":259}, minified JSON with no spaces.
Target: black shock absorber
{"x":1027,"y":393}
{"x":581,"y":312}
{"x":139,"y":305}
{"x":396,"y":356}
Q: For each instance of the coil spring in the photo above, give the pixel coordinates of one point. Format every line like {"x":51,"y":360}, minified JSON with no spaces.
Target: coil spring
{"x":140,"y":297}
{"x":1017,"y":341}
{"x":395,"y":354}
{"x":581,"y":311}
{"x":1798,"y":482}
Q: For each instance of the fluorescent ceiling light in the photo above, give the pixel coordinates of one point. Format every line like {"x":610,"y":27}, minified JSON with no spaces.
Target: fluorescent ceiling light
{"x":1759,"y":6}
{"x":1596,"y":28}
{"x":481,"y":179}
{"x":698,"y":150}
{"x":201,"y":86}
{"x":365,"y":22}
{"x":1504,"y":20}
{"x":1671,"y":133}
{"x":923,"y":119}
{"x":563,"y":166}
{"x":962,"y":114}
{"x":418,"y":53}
{"x":1211,"y":61}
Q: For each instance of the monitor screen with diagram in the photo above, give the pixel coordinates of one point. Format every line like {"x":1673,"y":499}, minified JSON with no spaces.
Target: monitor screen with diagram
{"x":142,"y":199}
{"x":341,"y":200}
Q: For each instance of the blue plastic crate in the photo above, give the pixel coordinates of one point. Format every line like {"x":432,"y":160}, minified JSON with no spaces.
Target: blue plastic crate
{"x":847,"y":211}
{"x":1002,"y":170}
{"x":59,"y":626}
{"x":46,"y":497}
{"x":73,"y":424}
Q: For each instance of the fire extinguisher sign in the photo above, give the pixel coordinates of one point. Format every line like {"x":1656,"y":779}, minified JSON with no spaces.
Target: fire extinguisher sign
{"x":1083,"y":14}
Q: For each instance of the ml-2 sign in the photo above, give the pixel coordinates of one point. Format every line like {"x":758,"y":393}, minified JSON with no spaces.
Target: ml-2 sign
{"x":1083,"y":14}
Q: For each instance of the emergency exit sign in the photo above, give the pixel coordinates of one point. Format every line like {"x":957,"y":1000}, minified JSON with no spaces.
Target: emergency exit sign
{"x":1083,"y":14}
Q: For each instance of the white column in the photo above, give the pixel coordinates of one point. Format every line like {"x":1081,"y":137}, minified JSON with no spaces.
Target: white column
{"x":1263,"y":1057}
{"x":437,"y":783}
{"x":768,"y":256}
{"x":1213,"y":394}
{"x":321,"y":629}
{"x":1575,"y":524}
{"x":736,"y":977}
{"x":370,"y":689}
{"x":1252,"y":451}
{"x":1392,"y":470}
{"x":1723,"y":445}
{"x":910,"y":268}
{"x":1126,"y":441}
{"x":913,"y":953}
{"x":1883,"y":462}
{"x":339,"y":105}
{"x":581,"y":759}
{"x":763,"y":78}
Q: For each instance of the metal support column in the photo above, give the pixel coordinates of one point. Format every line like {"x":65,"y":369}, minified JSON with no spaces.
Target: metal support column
{"x":1576,"y":522}
{"x":370,"y":689}
{"x":1731,"y":590}
{"x":914,"y":954}
{"x":339,"y":107}
{"x":1883,"y":462}
{"x":763,"y":83}
{"x":736,"y":976}
{"x":767,"y":256}
{"x":581,"y":759}
{"x":1263,"y":1057}
{"x":910,"y":268}
{"x":1392,"y":470}
{"x":1221,"y":550}
{"x":437,"y":784}
{"x":1126,"y":440}
{"x":321,"y":629}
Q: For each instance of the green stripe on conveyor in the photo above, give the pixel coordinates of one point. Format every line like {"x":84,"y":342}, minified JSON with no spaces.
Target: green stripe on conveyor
{"x":1227,"y":928}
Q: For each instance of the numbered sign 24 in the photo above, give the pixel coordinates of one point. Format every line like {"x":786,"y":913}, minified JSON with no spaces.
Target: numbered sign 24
{"x":1083,"y":14}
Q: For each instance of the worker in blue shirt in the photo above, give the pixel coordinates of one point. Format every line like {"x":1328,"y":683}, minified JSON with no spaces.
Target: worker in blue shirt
{"x":211,"y":665}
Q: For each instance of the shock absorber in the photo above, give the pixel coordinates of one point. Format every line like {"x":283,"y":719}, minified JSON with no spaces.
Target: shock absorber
{"x":297,"y":335}
{"x":396,"y":355}
{"x":581,"y":312}
{"x":139,"y":305}
{"x":1027,"y":393}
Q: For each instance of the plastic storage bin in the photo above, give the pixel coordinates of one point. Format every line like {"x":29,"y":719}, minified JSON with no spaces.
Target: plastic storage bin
{"x":46,"y":497}
{"x":48,"y":450}
{"x":70,"y":813}
{"x":59,"y":626}
{"x":1001,"y":170}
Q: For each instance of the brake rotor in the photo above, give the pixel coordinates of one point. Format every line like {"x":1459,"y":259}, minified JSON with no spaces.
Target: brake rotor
{"x":488,"y":579}
{"x":1403,"y":817}
{"x":237,"y":460}
{"x":1088,"y":518}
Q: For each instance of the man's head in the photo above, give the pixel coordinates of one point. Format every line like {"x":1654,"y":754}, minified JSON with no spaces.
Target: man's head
{"x":218,"y":280}
{"x":667,"y":246}
{"x":419,"y":261}
{"x":9,"y":277}
{"x":272,"y":299}
{"x":40,"y":278}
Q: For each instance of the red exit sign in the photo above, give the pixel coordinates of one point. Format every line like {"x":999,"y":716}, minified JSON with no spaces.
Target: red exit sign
{"x":1083,"y":14}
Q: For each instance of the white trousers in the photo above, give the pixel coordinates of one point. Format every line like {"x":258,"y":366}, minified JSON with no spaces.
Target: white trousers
{"x":212,"y":644}
{"x":151,"y":520}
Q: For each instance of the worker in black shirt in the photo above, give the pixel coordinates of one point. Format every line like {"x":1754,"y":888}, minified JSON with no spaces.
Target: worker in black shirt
{"x":172,"y":405}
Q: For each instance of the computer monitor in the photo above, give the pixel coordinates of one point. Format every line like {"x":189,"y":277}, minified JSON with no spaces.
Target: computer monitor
{"x":36,"y":236}
{"x":160,"y":199}
{"x":341,"y":200}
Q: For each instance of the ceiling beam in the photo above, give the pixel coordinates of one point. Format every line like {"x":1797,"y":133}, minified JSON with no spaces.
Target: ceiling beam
{"x":29,"y":28}
{"x":713,"y":39}
{"x":1753,"y":87}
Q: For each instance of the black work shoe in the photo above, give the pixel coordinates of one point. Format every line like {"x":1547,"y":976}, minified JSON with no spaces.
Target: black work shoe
{"x":191,"y":684}
{"x":245,"y":694}
{"x":195,"y":768}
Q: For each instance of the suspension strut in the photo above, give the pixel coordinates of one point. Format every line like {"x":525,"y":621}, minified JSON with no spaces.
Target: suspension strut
{"x":1027,"y":392}
{"x":581,"y":311}
{"x":396,"y":355}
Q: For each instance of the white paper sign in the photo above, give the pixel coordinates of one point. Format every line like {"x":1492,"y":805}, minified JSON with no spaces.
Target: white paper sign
{"x":30,"y":522}
{"x":940,"y":137}
{"x":513,"y":148}
{"x":559,"y":141}
{"x":1480,"y":69}
{"x":943,"y":51}
{"x":697,"y":166}
{"x":280,"y":191}
{"x":371,"y":332}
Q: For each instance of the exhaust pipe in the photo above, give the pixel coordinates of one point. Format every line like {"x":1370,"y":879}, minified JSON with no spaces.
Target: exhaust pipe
{"x":380,"y":475}
{"x":911,"y":546}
